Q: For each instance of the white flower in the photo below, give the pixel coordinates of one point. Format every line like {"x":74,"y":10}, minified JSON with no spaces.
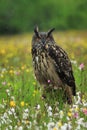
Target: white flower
{"x":34,"y":121}
{"x":37,"y":128}
{"x":16,"y":127}
{"x":51,"y":125}
{"x":2,"y":122}
{"x":13,"y":98}
{"x":5,"y":116}
{"x":3,"y":70}
{"x":1,"y":106}
{"x":64,"y":127}
{"x":12,"y":110}
{"x":26,"y":113}
{"x":25,"y":116}
{"x":20,"y":128}
{"x":56,"y":114}
{"x":26,"y":110}
{"x":50,"y":113}
{"x":69,"y":127}
{"x":85,"y":124}
{"x":80,"y":121}
{"x":74,"y":62}
{"x":85,"y":104}
{"x":49,"y":108}
{"x":78,"y":127}
{"x":67,"y":118}
{"x":78,"y":98}
{"x":10,"y":127}
{"x":44,"y":123}
{"x":61,"y":114}
{"x":38,"y":107}
{"x":7,"y":90}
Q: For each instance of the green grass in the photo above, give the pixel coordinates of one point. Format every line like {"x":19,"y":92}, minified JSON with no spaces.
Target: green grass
{"x":21,"y":102}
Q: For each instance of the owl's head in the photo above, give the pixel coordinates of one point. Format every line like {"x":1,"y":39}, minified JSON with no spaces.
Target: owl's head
{"x":42,"y":38}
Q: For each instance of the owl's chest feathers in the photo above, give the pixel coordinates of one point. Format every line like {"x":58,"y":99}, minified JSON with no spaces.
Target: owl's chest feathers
{"x":45,"y":69}
{"x":40,"y":61}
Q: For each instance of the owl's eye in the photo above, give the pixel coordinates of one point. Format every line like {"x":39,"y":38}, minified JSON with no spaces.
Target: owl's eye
{"x":48,"y":38}
{"x":37,"y":38}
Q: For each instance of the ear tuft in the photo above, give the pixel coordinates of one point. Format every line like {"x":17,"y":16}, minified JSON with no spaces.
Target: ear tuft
{"x":50,"y":31}
{"x":36,"y":29}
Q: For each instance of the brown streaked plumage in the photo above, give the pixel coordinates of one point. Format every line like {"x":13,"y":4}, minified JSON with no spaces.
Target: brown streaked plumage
{"x":51,"y":63}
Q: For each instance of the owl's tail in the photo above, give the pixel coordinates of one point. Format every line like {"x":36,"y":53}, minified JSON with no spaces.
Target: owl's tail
{"x":74,"y":90}
{"x":72,"y":85}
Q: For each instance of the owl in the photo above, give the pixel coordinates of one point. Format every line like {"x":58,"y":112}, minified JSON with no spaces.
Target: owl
{"x":52,"y":66}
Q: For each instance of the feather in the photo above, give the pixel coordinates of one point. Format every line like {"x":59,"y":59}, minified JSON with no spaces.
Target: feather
{"x":63,"y":66}
{"x":52,"y":63}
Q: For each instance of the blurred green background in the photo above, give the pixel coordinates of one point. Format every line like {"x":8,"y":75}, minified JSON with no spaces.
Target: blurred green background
{"x":19,"y":16}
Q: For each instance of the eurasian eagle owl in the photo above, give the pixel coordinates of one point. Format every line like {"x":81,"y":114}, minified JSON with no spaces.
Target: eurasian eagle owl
{"x":52,"y":67}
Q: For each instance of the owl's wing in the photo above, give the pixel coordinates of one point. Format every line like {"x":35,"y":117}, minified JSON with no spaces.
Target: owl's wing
{"x":63,"y":66}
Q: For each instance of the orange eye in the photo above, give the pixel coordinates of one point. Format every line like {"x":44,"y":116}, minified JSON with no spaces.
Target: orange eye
{"x":48,"y":38}
{"x":37,"y":39}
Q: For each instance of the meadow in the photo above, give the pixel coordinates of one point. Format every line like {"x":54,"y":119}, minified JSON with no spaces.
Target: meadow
{"x":21,"y":104}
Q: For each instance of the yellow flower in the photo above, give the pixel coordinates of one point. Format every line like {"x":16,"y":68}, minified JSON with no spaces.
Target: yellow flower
{"x":34,"y":93}
{"x":2,"y":75}
{"x":77,"y":108}
{"x":59,"y":123}
{"x":27,"y":70}
{"x":26,"y":104}
{"x":83,"y":98}
{"x":23,"y":67}
{"x":61,"y":113}
{"x":22,"y":103}
{"x":69,"y":114}
{"x":19,"y":123}
{"x":70,"y":109}
{"x":8,"y":84}
{"x":54,"y":128}
{"x":12,"y":104}
{"x":11,"y":71}
{"x":3,"y":51}
{"x":44,"y":114}
{"x":12,"y":67}
{"x":27,"y":122}
{"x":34,"y":83}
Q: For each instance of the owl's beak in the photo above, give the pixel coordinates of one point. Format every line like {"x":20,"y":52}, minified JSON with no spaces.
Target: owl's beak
{"x":43,"y":41}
